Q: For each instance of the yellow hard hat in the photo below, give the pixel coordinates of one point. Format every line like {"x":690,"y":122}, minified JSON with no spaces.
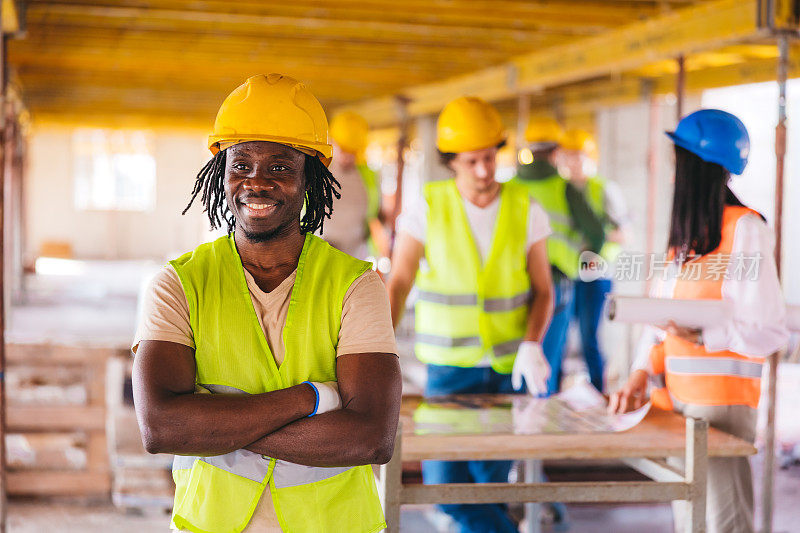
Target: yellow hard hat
{"x":544,"y":130}
{"x":468,"y":123}
{"x":579,"y":140}
{"x":276,"y":108}
{"x":349,"y":130}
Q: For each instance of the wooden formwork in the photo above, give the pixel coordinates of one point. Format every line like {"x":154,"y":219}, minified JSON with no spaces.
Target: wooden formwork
{"x":84,"y":419}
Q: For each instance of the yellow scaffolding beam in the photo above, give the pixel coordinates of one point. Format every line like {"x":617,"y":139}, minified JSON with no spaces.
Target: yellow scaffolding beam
{"x":693,"y":29}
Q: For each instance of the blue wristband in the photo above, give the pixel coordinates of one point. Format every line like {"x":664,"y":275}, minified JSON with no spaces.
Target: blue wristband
{"x":316,"y":393}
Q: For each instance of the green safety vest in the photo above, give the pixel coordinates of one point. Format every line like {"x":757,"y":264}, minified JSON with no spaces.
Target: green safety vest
{"x":595,"y":195}
{"x":466,"y":309}
{"x":219,"y":493}
{"x":372,"y":186}
{"x":564,"y":245}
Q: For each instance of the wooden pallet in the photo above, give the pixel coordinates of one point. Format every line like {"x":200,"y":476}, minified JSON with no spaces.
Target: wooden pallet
{"x":87,"y":420}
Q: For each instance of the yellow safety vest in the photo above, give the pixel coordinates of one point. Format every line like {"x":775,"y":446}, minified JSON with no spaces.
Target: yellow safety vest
{"x":371,"y":183}
{"x":218,"y":494}
{"x":466,"y":309}
{"x":564,"y":245}
{"x":595,"y":195}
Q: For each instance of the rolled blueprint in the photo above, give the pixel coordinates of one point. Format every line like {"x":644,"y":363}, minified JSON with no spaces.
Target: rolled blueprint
{"x":659,"y":311}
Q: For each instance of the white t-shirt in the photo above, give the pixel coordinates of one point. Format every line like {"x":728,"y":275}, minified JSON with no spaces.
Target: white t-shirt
{"x":414,"y":221}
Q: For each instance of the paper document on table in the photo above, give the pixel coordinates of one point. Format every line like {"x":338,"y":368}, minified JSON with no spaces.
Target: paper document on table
{"x":580,"y":409}
{"x":659,"y":311}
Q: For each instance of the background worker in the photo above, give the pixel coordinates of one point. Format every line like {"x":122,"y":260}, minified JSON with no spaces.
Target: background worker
{"x":292,"y":337}
{"x":485,"y":297}
{"x":577,"y":161}
{"x":714,"y":373}
{"x":355,"y":225}
{"x":573,"y":222}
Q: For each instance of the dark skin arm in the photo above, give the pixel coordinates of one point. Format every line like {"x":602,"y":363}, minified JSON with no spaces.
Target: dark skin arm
{"x":362,"y":432}
{"x":173,"y":419}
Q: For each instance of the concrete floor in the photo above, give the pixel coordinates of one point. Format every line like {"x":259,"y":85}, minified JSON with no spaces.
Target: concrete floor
{"x":66,"y":517}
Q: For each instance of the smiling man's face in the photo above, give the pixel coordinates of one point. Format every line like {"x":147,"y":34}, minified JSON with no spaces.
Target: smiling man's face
{"x":265,"y":188}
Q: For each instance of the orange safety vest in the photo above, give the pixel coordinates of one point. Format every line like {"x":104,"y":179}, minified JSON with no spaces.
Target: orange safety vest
{"x":684,"y":372}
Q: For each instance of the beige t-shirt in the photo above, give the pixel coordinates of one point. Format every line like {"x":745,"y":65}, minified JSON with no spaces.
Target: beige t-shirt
{"x":366,"y":328}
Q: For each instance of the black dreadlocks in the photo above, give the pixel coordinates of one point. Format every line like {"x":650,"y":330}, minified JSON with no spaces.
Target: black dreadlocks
{"x":321,"y":188}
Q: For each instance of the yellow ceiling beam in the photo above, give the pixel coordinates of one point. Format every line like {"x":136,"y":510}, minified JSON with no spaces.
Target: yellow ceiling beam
{"x":213,"y":50}
{"x":546,"y":16}
{"x":9,"y":11}
{"x":753,"y":71}
{"x":701,"y":27}
{"x":163,"y":20}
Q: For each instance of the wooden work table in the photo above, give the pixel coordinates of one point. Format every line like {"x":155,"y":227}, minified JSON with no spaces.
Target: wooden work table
{"x":645,"y":447}
{"x":660,"y":434}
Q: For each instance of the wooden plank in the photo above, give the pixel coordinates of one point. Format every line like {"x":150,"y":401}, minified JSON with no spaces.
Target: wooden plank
{"x":696,"y":473}
{"x":97,"y":453}
{"x":656,"y":469}
{"x":23,"y":353}
{"x":612,"y":491}
{"x":660,"y":434}
{"x":62,"y":483}
{"x":50,"y":418}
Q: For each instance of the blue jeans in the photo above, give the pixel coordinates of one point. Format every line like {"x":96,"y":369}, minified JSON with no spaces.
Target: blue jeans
{"x":556,"y":336}
{"x":590,"y":296}
{"x":470,"y":518}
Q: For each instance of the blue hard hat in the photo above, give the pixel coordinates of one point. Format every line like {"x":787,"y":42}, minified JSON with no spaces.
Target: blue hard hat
{"x":714,"y":136}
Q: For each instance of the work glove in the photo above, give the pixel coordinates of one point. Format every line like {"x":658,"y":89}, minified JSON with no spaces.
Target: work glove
{"x":533,"y":366}
{"x":328,"y":398}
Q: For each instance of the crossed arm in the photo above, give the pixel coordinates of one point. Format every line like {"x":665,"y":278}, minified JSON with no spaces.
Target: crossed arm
{"x":174,"y":420}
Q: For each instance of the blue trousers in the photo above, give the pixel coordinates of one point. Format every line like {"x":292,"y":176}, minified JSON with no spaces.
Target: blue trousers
{"x":555,"y":338}
{"x":589,"y":299}
{"x":470,"y":518}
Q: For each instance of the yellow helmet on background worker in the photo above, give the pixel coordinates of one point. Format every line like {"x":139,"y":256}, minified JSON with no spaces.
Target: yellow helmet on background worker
{"x":349,"y":130}
{"x":276,"y":108}
{"x":580,"y":141}
{"x":541,"y":130}
{"x":468,"y":123}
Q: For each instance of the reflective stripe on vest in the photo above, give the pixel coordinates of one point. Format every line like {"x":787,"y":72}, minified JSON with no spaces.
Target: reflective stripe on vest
{"x":449,"y":342}
{"x":693,"y":374}
{"x":288,"y":474}
{"x":466,"y":308}
{"x":490,"y":305}
{"x":243,"y":463}
{"x":505,"y":348}
{"x":220,"y":493}
{"x":713,"y":366}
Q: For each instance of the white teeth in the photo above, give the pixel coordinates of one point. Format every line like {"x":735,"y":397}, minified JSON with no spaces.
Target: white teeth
{"x":259,"y":206}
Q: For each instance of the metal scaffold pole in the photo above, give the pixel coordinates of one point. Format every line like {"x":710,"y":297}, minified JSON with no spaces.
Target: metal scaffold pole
{"x":780,"y":156}
{"x":3,"y":402}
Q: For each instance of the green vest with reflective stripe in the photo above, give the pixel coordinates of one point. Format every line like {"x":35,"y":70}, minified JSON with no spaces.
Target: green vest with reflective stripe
{"x":220,"y":493}
{"x":595,"y":195}
{"x":466,"y":310}
{"x":564,"y":245}
{"x":372,"y":186}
